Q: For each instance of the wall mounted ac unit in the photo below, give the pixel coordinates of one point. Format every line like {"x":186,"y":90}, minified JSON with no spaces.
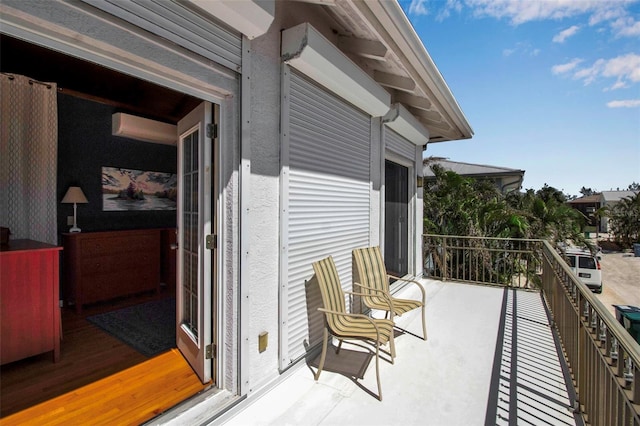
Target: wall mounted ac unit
{"x":143,"y":129}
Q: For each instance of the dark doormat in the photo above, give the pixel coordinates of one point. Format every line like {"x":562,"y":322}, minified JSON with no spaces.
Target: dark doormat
{"x":150,"y":327}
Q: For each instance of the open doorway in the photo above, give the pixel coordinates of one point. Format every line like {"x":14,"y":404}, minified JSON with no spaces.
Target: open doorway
{"x":396,"y":213}
{"x":90,"y":94}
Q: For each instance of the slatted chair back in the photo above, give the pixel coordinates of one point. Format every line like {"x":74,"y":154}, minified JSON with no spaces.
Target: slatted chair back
{"x":330,"y":288}
{"x":369,"y":270}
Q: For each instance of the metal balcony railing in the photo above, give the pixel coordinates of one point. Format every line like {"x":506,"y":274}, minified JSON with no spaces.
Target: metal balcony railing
{"x":498,"y":261}
{"x":603,"y":358}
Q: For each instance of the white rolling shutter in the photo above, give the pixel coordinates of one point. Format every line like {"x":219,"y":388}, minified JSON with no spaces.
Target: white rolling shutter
{"x":399,"y":145}
{"x":177,"y":22}
{"x":326,"y":198}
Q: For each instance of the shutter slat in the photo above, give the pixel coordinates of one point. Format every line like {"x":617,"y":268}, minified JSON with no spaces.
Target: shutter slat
{"x":399,"y":145}
{"x":329,"y":195}
{"x":176,"y":22}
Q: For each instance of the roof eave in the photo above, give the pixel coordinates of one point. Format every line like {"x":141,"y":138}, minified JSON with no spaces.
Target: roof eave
{"x":391,"y":21}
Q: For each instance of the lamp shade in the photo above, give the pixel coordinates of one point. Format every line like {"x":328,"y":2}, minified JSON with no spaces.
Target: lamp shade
{"x":74,"y":195}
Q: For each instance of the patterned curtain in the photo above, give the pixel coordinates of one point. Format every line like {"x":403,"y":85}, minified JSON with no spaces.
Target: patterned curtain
{"x":28,"y":158}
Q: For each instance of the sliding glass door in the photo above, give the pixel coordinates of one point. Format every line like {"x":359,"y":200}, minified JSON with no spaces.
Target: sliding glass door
{"x":396,"y":218}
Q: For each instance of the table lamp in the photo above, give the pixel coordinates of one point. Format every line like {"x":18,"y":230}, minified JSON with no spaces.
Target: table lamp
{"x":74,"y":195}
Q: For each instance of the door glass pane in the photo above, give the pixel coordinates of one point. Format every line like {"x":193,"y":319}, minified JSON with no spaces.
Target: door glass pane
{"x":396,"y":237}
{"x":190,"y":233}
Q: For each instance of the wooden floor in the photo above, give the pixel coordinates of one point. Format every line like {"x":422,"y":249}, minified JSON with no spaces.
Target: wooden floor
{"x":129,"y":397}
{"x":89,"y":355}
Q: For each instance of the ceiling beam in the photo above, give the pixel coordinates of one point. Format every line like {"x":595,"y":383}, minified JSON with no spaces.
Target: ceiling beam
{"x":443,"y":126}
{"x":443,"y":136}
{"x":434,"y":116}
{"x":412,"y":101}
{"x":394,"y":81}
{"x":371,"y":49}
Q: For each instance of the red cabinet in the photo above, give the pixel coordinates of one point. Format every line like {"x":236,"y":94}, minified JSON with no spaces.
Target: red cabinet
{"x":29,"y":297}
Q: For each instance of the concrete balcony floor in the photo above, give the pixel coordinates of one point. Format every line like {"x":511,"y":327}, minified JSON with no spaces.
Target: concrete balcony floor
{"x":490,"y":357}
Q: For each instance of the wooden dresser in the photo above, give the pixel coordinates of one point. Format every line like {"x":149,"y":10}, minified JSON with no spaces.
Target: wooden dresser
{"x":100,"y":266}
{"x":29,"y":294}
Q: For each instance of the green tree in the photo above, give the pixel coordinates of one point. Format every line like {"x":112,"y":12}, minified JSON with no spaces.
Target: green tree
{"x":624,"y":220}
{"x":461,"y":206}
{"x":457,"y":205}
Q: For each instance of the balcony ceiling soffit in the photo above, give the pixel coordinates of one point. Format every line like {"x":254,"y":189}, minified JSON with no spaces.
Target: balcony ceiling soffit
{"x":380,"y":58}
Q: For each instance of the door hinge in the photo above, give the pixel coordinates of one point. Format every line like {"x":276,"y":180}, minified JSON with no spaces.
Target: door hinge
{"x":212,"y":130}
{"x":210,"y":351}
{"x":211,"y":242}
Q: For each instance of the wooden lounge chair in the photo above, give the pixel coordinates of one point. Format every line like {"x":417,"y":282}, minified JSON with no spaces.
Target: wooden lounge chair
{"x":370,"y":274}
{"x":344,"y":325}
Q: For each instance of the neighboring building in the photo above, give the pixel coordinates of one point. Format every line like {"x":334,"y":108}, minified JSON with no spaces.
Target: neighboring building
{"x":588,"y":206}
{"x":506,"y":180}
{"x":610,"y":199}
{"x":308,"y":121}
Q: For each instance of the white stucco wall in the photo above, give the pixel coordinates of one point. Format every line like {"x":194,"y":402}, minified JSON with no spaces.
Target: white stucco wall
{"x":264,"y":204}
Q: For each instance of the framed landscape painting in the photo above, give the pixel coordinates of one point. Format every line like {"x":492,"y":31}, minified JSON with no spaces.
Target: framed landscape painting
{"x":128,"y":189}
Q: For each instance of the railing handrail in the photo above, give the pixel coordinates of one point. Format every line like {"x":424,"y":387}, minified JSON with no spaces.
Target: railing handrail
{"x":482,"y":238}
{"x":620,"y":333}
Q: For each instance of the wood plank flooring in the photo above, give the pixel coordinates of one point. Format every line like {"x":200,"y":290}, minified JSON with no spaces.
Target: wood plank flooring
{"x":129,"y":397}
{"x":87,"y":355}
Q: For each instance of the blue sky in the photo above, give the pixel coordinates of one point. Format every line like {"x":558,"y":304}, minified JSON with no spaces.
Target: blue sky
{"x":551,"y":87}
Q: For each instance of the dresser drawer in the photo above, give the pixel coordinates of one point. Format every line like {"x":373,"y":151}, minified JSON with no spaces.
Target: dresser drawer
{"x":95,"y":247}
{"x":117,"y":262}
{"x":116,"y":284}
{"x":105,"y":265}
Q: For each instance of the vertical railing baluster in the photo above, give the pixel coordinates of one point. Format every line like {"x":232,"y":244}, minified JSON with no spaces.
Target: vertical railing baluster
{"x":444,"y":254}
{"x":635,"y":388}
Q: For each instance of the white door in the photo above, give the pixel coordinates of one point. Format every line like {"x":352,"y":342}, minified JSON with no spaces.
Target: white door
{"x":195,"y":241}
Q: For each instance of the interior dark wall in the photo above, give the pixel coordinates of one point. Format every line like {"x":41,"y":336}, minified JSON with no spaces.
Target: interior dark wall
{"x":85,"y":145}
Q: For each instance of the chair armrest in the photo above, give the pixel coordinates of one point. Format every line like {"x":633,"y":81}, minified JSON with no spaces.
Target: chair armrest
{"x":386,"y":296}
{"x":370,"y":288}
{"x":420,"y":286}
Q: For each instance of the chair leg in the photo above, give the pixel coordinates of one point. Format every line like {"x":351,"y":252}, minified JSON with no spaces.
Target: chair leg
{"x":392,"y":347}
{"x":378,"y":370}
{"x":339,"y":346}
{"x":424,"y":324}
{"x":324,"y":353}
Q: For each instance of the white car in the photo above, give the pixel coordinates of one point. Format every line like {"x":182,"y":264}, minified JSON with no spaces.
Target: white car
{"x":587,"y":267}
